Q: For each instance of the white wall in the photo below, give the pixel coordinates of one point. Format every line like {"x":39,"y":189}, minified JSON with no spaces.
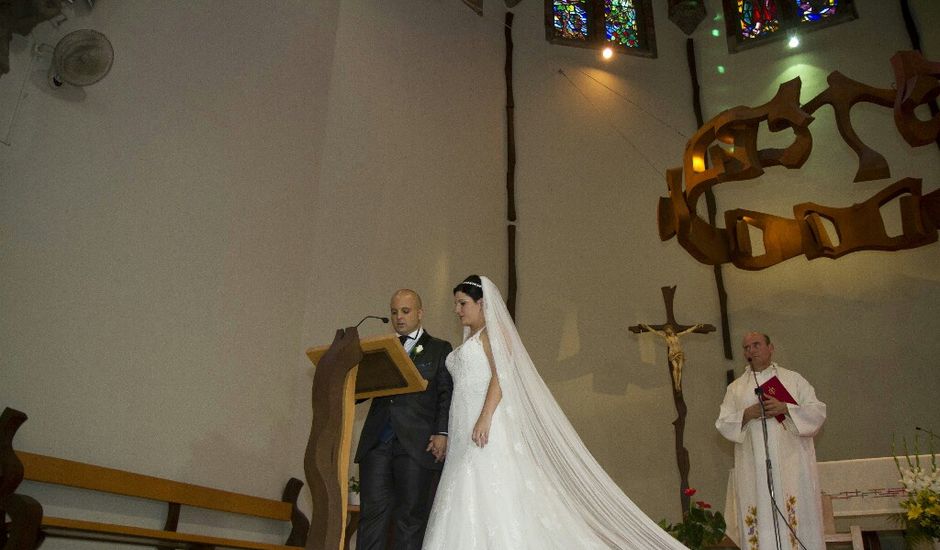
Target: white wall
{"x":248,"y":179}
{"x":412,"y":176}
{"x":155,"y":244}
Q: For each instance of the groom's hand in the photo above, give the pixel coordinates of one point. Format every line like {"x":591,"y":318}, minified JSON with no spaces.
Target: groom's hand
{"x":437,"y":446}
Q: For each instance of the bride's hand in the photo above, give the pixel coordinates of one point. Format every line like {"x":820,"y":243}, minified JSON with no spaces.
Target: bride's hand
{"x":481,"y":431}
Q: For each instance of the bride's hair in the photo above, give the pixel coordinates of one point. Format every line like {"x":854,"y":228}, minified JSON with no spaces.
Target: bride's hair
{"x":472,"y":286}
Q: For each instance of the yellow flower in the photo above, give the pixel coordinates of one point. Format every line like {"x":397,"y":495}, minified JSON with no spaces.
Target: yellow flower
{"x":914,"y":511}
{"x":934,"y":510}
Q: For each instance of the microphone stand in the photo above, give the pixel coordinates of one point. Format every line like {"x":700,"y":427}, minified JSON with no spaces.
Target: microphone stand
{"x":775,"y":510}
{"x":770,"y":469}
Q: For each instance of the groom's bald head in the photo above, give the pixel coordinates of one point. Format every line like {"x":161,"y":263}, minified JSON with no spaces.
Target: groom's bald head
{"x":406,"y":311}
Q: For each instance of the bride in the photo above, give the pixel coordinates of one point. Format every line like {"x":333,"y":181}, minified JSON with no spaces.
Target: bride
{"x":517,"y":476}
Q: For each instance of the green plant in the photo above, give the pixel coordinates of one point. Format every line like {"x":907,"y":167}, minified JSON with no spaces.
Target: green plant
{"x":353,"y":484}
{"x":921,"y":508}
{"x":700,"y":526}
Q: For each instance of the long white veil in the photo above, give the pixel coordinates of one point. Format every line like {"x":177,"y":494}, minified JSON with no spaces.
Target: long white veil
{"x":556,"y":450}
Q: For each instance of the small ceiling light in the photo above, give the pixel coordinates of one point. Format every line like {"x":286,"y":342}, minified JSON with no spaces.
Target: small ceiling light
{"x":721,"y":69}
{"x":794,"y":41}
{"x":716,"y":32}
{"x":608,"y":52}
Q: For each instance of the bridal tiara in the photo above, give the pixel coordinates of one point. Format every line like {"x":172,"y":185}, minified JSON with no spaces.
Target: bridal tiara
{"x":471,"y":283}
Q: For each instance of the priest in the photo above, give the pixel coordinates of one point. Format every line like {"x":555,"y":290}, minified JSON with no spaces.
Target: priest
{"x":793,"y":416}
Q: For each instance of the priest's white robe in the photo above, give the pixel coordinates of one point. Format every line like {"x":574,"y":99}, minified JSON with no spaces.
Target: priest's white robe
{"x":796,"y":482}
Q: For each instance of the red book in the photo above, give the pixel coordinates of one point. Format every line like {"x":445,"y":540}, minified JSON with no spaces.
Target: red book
{"x":775,"y":388}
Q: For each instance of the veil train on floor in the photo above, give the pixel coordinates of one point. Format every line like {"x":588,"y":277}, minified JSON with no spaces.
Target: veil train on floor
{"x":558,"y":452}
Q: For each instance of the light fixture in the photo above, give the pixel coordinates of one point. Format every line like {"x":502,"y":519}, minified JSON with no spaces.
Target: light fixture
{"x":794,"y":41}
{"x":608,"y":52}
{"x":687,"y":14}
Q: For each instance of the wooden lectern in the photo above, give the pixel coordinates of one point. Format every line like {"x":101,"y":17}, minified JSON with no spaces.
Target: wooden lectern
{"x":348,"y":369}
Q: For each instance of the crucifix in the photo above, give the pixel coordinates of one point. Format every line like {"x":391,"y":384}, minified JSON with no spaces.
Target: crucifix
{"x":671,"y":331}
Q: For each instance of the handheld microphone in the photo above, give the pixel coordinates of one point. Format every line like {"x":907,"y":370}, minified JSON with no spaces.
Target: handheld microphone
{"x":383,"y":319}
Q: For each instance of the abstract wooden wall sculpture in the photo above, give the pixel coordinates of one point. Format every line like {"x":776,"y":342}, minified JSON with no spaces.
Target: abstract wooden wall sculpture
{"x":910,"y":23}
{"x":707,"y":163}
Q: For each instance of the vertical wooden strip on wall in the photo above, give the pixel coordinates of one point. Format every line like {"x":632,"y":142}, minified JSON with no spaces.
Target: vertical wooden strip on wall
{"x":711,"y":203}
{"x":511,"y":295}
{"x":510,"y":172}
{"x":510,"y":126}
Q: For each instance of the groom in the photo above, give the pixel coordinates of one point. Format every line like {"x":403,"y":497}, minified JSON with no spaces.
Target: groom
{"x":404,"y":440}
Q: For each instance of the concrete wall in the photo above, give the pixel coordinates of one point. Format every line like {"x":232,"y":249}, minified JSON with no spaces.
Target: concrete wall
{"x":249,"y":178}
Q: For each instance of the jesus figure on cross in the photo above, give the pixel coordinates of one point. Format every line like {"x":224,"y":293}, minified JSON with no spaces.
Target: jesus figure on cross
{"x":674,"y":349}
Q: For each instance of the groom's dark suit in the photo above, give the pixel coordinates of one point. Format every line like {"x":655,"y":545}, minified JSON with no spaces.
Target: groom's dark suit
{"x":397,"y":473}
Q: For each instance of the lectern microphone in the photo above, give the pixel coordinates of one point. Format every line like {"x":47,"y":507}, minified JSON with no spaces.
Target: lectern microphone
{"x":383,"y":319}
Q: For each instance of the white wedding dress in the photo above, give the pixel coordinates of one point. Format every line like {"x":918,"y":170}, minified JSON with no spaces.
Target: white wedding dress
{"x":534,"y":486}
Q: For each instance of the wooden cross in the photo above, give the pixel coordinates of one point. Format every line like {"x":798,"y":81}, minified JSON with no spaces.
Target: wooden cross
{"x":671,"y":330}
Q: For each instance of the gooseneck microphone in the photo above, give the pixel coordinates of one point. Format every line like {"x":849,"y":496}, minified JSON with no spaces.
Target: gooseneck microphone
{"x":383,"y":319}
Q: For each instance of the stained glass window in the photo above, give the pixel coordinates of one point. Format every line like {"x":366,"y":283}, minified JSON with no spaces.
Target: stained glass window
{"x":625,"y":25}
{"x":620,"y":23}
{"x":757,"y":17}
{"x":753,"y":22}
{"x":570,"y":19}
{"x":808,"y":10}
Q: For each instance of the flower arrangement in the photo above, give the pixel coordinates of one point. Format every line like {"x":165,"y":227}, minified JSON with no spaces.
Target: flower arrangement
{"x":353,"y":484}
{"x":700,"y":526}
{"x":353,"y":495}
{"x":921,"y":508}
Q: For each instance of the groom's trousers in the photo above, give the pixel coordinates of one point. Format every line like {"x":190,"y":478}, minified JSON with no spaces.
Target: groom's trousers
{"x":396,"y":491}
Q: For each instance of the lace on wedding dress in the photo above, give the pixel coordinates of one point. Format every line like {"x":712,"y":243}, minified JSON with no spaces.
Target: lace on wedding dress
{"x":562,"y":461}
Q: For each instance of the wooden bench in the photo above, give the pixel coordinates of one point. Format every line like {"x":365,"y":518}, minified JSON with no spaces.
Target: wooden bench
{"x":854,"y":537}
{"x":28,"y":526}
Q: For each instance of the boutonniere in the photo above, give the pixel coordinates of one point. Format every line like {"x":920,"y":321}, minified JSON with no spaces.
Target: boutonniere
{"x":417,"y":351}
